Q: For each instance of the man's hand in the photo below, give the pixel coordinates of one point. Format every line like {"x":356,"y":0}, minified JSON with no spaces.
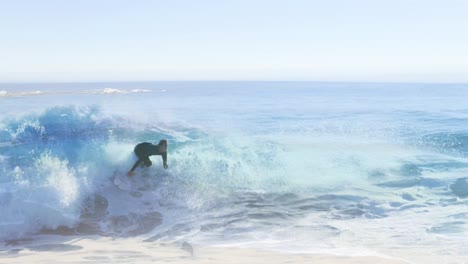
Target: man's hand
{"x":165,"y":166}
{"x":130,"y":173}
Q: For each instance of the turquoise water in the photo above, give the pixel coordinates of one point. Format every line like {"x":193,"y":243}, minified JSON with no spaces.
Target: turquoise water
{"x":294,"y":166}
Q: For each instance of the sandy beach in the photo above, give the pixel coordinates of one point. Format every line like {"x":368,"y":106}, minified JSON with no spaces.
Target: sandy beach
{"x":107,"y":250}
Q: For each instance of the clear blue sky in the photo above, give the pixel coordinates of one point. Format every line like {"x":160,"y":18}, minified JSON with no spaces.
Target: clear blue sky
{"x":321,"y":40}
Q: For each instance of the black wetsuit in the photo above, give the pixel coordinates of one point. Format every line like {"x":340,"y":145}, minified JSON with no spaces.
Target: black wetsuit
{"x":144,"y":150}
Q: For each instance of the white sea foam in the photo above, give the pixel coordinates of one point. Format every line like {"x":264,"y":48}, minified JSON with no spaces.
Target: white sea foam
{"x":111,"y":91}
{"x":140,"y":91}
{"x":105,"y":91}
{"x":123,"y":91}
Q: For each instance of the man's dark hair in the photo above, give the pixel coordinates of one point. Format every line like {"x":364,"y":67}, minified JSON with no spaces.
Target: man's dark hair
{"x":162,"y":141}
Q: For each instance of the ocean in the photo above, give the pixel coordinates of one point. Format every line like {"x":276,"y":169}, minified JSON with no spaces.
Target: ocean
{"x":349,"y":169}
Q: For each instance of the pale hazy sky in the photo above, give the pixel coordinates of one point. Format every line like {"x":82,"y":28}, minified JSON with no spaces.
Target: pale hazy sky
{"x":326,"y":40}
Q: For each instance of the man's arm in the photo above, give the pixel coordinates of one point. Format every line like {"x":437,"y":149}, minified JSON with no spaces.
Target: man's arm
{"x":164,"y":158}
{"x":138,"y":162}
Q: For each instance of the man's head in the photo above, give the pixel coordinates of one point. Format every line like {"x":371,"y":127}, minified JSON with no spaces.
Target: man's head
{"x":162,"y":145}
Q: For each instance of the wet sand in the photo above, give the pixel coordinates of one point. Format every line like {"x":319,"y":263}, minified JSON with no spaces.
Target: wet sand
{"x":108,"y":250}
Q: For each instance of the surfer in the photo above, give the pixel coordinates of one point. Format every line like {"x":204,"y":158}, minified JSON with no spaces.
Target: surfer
{"x":144,"y":150}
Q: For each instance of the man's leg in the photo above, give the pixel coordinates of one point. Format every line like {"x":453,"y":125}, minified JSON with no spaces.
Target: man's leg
{"x":147,"y":162}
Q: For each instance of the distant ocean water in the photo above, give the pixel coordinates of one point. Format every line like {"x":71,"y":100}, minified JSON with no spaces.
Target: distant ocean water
{"x":342,"y":168}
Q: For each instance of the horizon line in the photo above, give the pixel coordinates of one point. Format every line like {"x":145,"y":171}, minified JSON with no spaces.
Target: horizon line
{"x":200,"y":81}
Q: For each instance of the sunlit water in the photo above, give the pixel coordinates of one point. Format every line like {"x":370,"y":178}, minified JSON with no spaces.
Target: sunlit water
{"x":343,"y":168}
